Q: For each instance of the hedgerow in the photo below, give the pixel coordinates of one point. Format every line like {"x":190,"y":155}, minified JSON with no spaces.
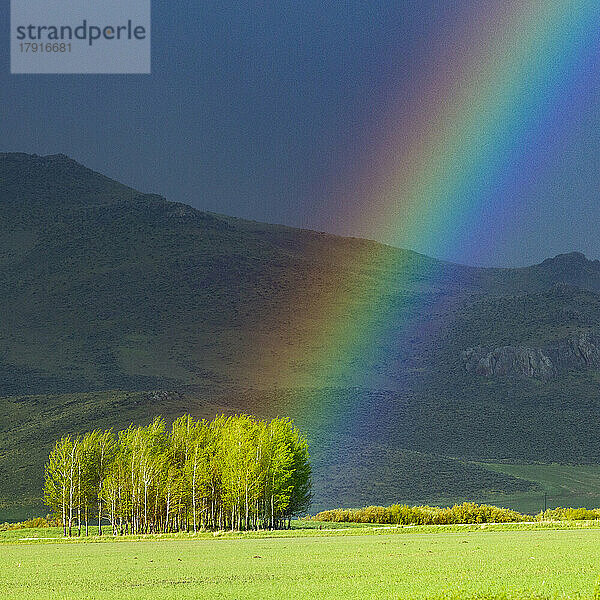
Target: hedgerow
{"x":397,"y":514}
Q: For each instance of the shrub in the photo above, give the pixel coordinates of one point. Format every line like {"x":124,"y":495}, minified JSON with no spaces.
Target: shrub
{"x":468,"y":512}
{"x":36,"y":523}
{"x":569,"y":514}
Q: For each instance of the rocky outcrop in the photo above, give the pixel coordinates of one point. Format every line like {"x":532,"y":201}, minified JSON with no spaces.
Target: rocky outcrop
{"x":578,"y":351}
{"x":508,"y":361}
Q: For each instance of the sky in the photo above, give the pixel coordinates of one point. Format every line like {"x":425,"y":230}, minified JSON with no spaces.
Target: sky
{"x":279,"y":111}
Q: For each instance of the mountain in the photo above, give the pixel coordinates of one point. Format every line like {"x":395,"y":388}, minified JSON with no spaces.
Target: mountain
{"x":118,"y":305}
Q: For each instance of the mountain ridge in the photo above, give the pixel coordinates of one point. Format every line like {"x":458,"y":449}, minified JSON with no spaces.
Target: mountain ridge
{"x":61,"y":159}
{"x":109,"y":294}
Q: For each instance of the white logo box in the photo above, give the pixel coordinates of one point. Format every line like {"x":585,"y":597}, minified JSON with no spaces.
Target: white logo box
{"x":78,"y":36}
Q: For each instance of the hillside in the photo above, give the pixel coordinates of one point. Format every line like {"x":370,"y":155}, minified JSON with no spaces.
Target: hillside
{"x":119,"y":305}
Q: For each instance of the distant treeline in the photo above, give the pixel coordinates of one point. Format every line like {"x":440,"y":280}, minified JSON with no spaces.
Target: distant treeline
{"x":465,"y":513}
{"x":229,"y":473}
{"x":35,"y":523}
{"x":341,"y":515}
{"x":402,"y":514}
{"x":569,"y":514}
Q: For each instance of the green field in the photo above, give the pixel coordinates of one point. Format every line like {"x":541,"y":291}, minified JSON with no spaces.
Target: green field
{"x":558,"y":480}
{"x":565,"y":485}
{"x":358,"y":562}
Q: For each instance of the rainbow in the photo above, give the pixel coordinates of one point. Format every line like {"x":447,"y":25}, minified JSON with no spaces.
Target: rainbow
{"x":496,"y":91}
{"x":512,"y":73}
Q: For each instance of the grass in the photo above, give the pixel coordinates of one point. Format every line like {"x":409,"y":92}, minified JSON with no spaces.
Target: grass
{"x":565,"y":485}
{"x":360,"y":562}
{"x":556,"y":479}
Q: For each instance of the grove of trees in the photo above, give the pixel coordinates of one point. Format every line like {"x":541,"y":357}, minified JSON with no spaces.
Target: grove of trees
{"x":234,"y":472}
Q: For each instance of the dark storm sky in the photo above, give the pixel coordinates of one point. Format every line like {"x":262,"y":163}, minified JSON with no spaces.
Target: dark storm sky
{"x":252,"y":107}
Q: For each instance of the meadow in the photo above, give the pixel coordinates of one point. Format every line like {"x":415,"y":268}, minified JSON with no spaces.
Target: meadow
{"x":497,"y":561}
{"x":565,"y":485}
